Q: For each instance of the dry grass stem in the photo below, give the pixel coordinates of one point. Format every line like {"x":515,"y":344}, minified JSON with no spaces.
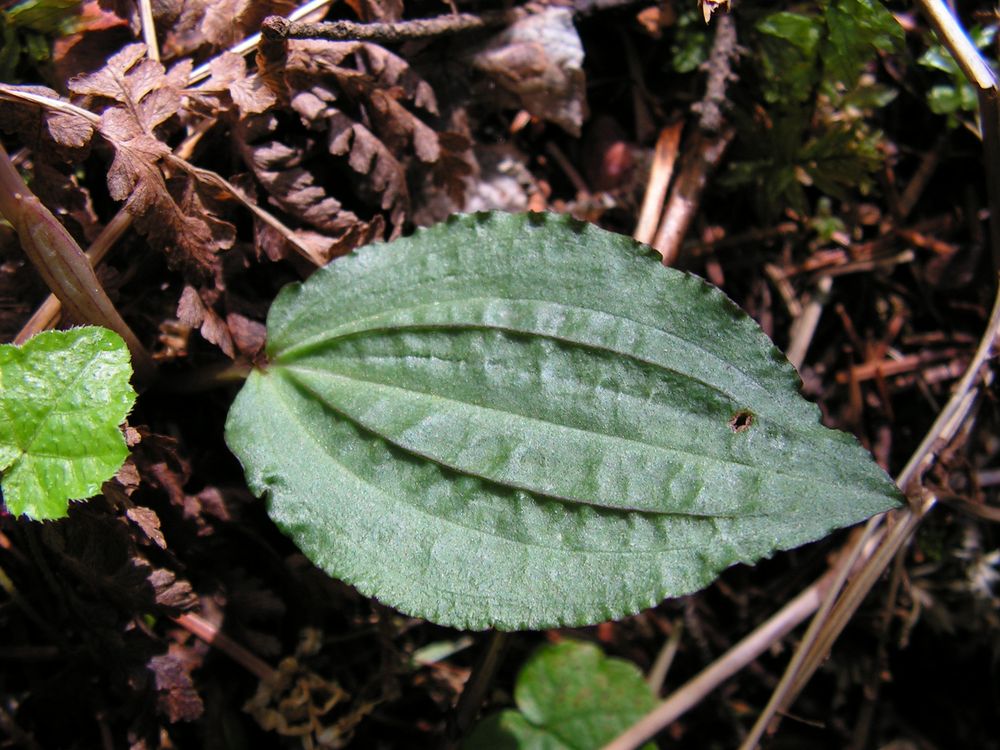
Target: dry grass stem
{"x":149,"y":29}
{"x":660,"y":173}
{"x":804,"y":327}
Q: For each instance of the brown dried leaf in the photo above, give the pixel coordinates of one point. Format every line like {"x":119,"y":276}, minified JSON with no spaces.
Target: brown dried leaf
{"x":248,"y":335}
{"x":47,"y":133}
{"x":300,"y":192}
{"x":69,"y":129}
{"x":218,"y":24}
{"x":362,"y":100}
{"x":367,"y":155}
{"x":176,"y":695}
{"x":227,"y":22}
{"x":192,"y":311}
{"x":247,"y":92}
{"x":132,"y":79}
{"x":179,"y":24}
{"x":538,"y":60}
{"x":188,"y":25}
{"x":311,"y":62}
{"x":127,"y":477}
{"x":145,"y":96}
{"x":276,"y":246}
{"x":149,"y":523}
{"x":398,"y":127}
{"x":171,"y":594}
{"x":133,"y":176}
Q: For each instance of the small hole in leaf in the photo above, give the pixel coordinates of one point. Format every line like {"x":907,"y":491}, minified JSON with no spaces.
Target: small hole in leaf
{"x":741,"y":420}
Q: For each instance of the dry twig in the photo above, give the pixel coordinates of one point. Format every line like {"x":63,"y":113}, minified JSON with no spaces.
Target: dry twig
{"x":707,"y":146}
{"x":660,"y":173}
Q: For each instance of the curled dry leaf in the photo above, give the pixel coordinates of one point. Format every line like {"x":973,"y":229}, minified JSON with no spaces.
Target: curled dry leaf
{"x":187,"y":25}
{"x":248,"y":335}
{"x":309,"y":61}
{"x":194,"y":312}
{"x":46,"y":133}
{"x":143,"y":97}
{"x":176,"y":696}
{"x":231,"y":85}
{"x":279,"y":167}
{"x":538,"y":62}
{"x":149,"y":523}
{"x":356,"y":101}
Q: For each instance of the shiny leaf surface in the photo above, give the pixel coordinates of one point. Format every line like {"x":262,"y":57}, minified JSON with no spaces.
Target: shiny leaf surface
{"x":63,"y":395}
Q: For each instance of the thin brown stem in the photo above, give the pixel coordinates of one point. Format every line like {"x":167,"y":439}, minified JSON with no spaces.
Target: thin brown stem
{"x":479,"y":682}
{"x":279,"y":28}
{"x":202,"y":628}
{"x":62,"y":264}
{"x":703,"y":155}
{"x":660,"y":173}
{"x":149,"y":29}
{"x":47,"y":314}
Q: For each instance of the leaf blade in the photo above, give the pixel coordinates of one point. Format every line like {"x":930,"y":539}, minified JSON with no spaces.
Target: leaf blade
{"x":62,"y":396}
{"x":493,"y":421}
{"x":570,"y":696}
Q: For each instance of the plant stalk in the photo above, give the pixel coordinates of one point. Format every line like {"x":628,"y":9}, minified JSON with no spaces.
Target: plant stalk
{"x":62,"y":264}
{"x":479,"y":682}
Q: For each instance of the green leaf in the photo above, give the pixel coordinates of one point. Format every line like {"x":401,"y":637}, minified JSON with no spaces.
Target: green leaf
{"x":46,"y":16}
{"x":571,"y":697}
{"x":691,"y":42}
{"x":803,"y":32}
{"x":521,"y":421}
{"x":788,"y":56}
{"x":946,"y":100}
{"x":958,"y":96}
{"x":62,"y":397}
{"x":856,"y":29}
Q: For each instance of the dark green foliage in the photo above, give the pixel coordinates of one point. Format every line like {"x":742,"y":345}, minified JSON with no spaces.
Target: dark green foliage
{"x":26,"y":29}
{"x":956,"y":99}
{"x":815,"y":129}
{"x":570,"y":696}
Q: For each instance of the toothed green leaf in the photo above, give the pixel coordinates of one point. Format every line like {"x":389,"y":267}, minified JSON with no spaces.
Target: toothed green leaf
{"x":63,"y":395}
{"x":521,"y":421}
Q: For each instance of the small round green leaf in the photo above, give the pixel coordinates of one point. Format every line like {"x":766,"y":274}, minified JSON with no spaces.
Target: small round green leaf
{"x":63,"y":395}
{"x":570,"y":696}
{"x":521,"y":421}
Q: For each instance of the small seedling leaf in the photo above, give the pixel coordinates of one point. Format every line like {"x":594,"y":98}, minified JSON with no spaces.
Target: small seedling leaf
{"x":570,"y":696}
{"x":63,"y":395}
{"x":521,"y":421}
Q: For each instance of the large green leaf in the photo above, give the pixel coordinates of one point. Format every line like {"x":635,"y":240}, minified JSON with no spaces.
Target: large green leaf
{"x":570,"y":696}
{"x":523,"y":421}
{"x":62,"y":396}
